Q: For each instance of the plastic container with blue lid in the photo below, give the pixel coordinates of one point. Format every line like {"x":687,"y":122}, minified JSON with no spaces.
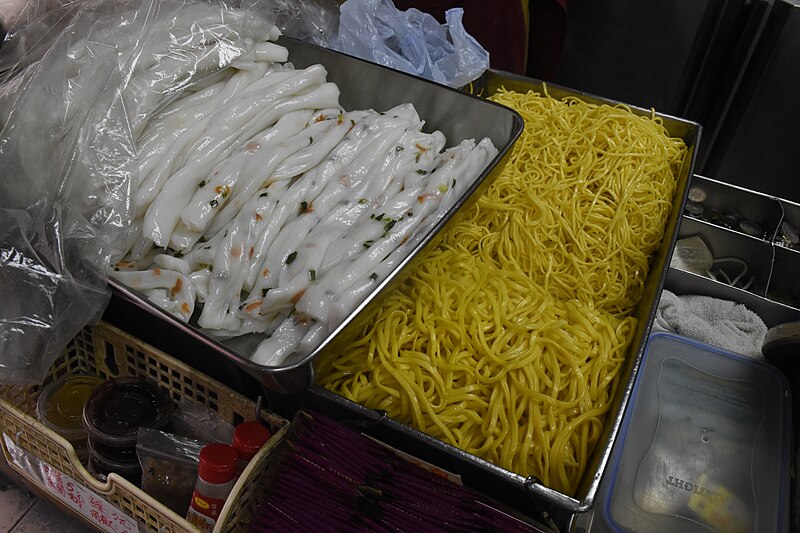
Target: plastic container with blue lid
{"x":704,"y":445}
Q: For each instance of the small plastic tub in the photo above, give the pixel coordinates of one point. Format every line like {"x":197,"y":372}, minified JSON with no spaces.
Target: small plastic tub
{"x":60,"y":408}
{"x":119,"y":407}
{"x":704,"y":445}
{"x":104,"y":460}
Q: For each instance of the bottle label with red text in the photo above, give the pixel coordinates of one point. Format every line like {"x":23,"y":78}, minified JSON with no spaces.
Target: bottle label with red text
{"x":204,"y":511}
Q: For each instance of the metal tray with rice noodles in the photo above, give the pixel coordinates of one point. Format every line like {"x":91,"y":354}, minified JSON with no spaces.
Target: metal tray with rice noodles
{"x":362,"y":86}
{"x":500,"y":482}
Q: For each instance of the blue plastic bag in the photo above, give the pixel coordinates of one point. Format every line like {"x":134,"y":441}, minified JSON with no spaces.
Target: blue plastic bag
{"x":410,"y":41}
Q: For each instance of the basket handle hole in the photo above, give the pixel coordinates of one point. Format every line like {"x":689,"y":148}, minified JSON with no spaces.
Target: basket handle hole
{"x":111,"y":359}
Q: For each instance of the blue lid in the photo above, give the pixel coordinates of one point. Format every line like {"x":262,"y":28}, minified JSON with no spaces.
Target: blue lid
{"x":704,"y":444}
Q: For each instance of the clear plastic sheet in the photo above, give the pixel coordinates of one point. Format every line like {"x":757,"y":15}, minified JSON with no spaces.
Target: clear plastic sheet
{"x":411,"y":41}
{"x":78,"y":85}
{"x":197,"y":422}
{"x":19,"y":13}
{"x":169,"y":467}
{"x":312,"y":21}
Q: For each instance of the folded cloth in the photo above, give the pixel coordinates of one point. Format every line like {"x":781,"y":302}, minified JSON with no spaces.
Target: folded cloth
{"x":721,"y":323}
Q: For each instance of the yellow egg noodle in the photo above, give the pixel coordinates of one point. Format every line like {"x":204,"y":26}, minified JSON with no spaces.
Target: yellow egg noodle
{"x":508,"y":339}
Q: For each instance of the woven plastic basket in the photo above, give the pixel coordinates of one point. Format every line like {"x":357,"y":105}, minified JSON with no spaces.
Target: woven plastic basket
{"x":109,"y":352}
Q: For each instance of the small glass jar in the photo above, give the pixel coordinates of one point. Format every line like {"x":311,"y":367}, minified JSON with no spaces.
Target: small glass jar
{"x":60,"y":408}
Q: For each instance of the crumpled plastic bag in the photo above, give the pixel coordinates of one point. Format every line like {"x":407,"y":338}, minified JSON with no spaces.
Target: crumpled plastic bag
{"x":77,"y":86}
{"x":411,"y":41}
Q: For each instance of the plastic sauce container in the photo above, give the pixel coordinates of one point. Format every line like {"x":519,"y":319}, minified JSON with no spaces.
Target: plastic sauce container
{"x":104,"y":460}
{"x":119,"y":407}
{"x":60,"y":408}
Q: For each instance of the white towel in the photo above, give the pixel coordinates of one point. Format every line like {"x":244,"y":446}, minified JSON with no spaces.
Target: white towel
{"x":722,"y":323}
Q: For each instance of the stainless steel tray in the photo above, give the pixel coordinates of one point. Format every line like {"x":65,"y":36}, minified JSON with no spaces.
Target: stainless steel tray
{"x":365,"y":85}
{"x":772,"y":265}
{"x":503,"y":480}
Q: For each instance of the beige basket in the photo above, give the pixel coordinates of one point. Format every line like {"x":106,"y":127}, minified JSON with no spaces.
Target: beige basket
{"x":108,"y":352}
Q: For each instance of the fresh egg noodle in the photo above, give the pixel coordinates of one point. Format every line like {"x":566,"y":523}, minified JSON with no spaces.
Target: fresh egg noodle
{"x":508,"y":339}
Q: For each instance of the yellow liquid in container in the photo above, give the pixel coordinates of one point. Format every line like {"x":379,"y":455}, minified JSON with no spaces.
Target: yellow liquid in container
{"x":64,"y":407}
{"x":60,"y":408}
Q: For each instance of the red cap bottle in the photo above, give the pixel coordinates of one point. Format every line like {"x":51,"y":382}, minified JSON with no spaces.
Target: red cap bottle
{"x":217,"y":463}
{"x":215,"y":479}
{"x":248,"y":438}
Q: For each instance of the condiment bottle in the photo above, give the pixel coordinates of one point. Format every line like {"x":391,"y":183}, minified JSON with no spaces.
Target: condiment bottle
{"x":248,"y":438}
{"x":215,"y":478}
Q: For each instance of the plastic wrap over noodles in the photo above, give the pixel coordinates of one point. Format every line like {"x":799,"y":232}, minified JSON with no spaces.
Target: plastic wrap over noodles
{"x":78,"y":89}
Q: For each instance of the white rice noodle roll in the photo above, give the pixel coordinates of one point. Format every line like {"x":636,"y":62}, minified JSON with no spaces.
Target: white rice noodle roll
{"x":160,"y":298}
{"x":325,"y":95}
{"x":286,"y":209}
{"x":128,"y":263}
{"x":212,"y":195}
{"x":289,"y":243}
{"x":233,"y":257}
{"x":227,"y":273}
{"x":416,"y":158}
{"x":203,"y":253}
{"x":256,"y":180}
{"x":350,"y":299}
{"x":131,"y":237}
{"x":347,"y":216}
{"x":254,"y":175}
{"x":314,"y":336}
{"x":202,"y":46}
{"x":141,"y":248}
{"x":200,"y":85}
{"x":163,"y":214}
{"x":274,"y":350}
{"x":319,"y":149}
{"x":169,"y":262}
{"x":167,"y":164}
{"x":200,"y":280}
{"x":334,"y":191}
{"x":181,"y":148}
{"x":197,"y":26}
{"x":264,"y":52}
{"x":162,"y":131}
{"x":316,"y":301}
{"x":317,"y":177}
{"x":183,"y":238}
{"x":179,"y":287}
{"x":267,"y":233}
{"x":242,"y":108}
{"x":143,"y":93}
